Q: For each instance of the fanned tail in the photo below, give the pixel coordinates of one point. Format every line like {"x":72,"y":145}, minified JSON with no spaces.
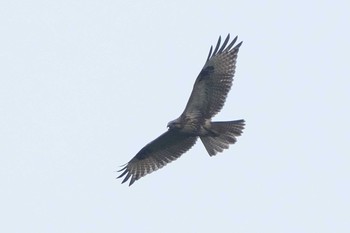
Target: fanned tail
{"x":223,"y":134}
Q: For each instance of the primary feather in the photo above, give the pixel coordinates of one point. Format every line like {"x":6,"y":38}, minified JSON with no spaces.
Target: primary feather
{"x":206,"y":100}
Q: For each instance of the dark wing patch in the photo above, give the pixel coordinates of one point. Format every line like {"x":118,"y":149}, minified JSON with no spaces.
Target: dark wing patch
{"x":214,"y":81}
{"x":166,"y":148}
{"x":205,"y":72}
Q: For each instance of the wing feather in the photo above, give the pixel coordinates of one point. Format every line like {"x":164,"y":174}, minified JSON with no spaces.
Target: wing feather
{"x":217,"y":46}
{"x":214,"y":81}
{"x":224,"y":44}
{"x":210,"y":51}
{"x":156,"y":154}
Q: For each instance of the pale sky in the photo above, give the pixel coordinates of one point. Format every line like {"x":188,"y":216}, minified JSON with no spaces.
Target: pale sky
{"x":84,"y":85}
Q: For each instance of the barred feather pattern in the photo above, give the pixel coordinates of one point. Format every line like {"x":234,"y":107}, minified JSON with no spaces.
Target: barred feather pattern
{"x":223,"y":134}
{"x":214,"y":81}
{"x":158,"y":153}
{"x":207,"y":98}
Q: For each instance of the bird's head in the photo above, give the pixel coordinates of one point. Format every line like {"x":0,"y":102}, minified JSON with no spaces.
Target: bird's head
{"x":175,"y":124}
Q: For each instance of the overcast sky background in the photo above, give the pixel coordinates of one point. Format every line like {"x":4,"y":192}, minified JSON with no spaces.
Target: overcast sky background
{"x":84,"y":85}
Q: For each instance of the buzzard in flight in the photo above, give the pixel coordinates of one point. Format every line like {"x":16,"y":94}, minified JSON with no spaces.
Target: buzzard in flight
{"x":207,"y":99}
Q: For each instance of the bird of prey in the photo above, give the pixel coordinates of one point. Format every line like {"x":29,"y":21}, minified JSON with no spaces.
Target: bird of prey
{"x":207,"y":99}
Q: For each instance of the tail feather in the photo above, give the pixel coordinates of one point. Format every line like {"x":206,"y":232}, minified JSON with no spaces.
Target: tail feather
{"x":222,"y":135}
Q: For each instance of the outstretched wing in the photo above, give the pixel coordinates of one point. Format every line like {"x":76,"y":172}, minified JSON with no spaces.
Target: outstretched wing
{"x":166,"y":148}
{"x":214,"y":81}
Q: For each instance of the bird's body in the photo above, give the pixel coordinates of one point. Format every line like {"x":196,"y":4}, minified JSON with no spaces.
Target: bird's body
{"x":207,"y":99}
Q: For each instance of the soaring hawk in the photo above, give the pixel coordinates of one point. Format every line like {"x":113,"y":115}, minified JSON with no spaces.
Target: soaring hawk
{"x":207,"y":99}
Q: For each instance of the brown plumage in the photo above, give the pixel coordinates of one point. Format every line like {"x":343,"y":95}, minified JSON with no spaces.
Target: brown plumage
{"x":207,"y":99}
